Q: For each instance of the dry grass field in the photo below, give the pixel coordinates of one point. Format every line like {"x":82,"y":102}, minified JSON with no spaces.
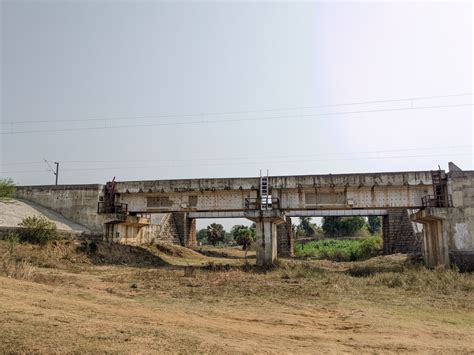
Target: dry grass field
{"x":65,"y":298}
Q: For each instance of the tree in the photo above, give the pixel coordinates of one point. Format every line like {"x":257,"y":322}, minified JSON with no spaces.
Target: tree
{"x":235,"y":231}
{"x":201,"y":236}
{"x":342,"y":226}
{"x":374,"y":224}
{"x":244,"y":236}
{"x":306,"y":227}
{"x":7,"y":189}
{"x":215,"y":233}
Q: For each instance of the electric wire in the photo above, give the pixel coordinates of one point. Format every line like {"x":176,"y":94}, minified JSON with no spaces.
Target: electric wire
{"x":246,"y":157}
{"x":240,"y":112}
{"x":243,"y":163}
{"x":230,"y":120}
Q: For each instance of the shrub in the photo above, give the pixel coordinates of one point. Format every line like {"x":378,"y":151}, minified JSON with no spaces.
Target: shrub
{"x":340,"y":250}
{"x":38,"y":230}
{"x":7,"y":189}
{"x":12,"y":239}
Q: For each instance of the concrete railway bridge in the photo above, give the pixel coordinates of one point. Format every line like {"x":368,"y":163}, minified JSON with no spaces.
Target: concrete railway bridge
{"x":122,"y":211}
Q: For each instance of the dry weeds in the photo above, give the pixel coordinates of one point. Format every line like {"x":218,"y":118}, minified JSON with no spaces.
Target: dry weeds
{"x":92,"y":305}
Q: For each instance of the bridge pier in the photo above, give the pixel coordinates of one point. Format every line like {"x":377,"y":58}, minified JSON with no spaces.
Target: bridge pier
{"x":399,"y":235}
{"x":266,"y":243}
{"x":266,"y":234}
{"x":285,"y":238}
{"x":186,"y":228}
{"x":435,"y":239}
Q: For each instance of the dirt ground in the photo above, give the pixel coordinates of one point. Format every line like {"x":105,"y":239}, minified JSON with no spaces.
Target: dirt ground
{"x":120,"y":299}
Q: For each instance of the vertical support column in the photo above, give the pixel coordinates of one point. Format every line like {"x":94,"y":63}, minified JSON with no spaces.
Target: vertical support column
{"x":285,"y":238}
{"x":434,"y":245}
{"x":266,"y":243}
{"x":186,"y":228}
{"x":191,"y":241}
{"x":386,"y":235}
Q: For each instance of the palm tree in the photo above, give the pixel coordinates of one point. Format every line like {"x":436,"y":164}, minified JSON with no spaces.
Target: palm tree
{"x":215,"y":233}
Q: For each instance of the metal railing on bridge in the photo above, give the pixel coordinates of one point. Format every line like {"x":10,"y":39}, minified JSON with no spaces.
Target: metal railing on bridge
{"x":103,"y":207}
{"x":437,"y":201}
{"x":258,"y":203}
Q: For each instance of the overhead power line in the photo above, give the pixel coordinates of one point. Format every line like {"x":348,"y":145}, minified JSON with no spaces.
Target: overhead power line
{"x":242,"y":163}
{"x":246,"y":157}
{"x":240,"y":112}
{"x":208,"y":121}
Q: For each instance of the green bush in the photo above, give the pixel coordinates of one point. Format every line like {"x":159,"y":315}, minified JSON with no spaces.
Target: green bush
{"x":38,"y":230}
{"x":7,"y":189}
{"x":340,"y":250}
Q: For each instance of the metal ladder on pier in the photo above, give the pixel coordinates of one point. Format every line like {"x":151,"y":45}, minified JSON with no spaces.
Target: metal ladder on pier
{"x":265,"y":198}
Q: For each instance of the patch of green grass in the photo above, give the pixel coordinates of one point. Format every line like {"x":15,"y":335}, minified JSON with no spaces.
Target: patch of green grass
{"x":340,"y":250}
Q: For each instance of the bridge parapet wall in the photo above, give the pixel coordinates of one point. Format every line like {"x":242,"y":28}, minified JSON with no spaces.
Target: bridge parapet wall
{"x":277,"y":182}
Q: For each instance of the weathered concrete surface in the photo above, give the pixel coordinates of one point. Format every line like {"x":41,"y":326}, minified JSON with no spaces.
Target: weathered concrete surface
{"x":186,"y":228}
{"x":399,"y":235}
{"x":75,"y":202}
{"x":449,"y":232}
{"x":285,"y":238}
{"x":266,"y":223}
{"x":139,"y":231}
{"x":325,"y":192}
{"x":12,"y":212}
{"x":266,"y":242}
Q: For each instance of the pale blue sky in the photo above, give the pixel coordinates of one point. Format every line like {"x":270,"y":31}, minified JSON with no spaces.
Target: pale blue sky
{"x":81,"y":60}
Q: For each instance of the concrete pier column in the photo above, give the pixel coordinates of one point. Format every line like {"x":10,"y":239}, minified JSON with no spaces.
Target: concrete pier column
{"x":435,"y":249}
{"x":186,"y":228}
{"x":266,"y":234}
{"x":191,"y":241}
{"x":266,"y":242}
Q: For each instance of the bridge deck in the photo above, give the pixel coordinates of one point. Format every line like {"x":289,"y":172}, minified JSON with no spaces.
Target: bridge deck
{"x":367,"y":191}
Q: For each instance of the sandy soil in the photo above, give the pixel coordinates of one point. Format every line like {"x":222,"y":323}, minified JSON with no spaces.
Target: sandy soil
{"x":127,"y":308}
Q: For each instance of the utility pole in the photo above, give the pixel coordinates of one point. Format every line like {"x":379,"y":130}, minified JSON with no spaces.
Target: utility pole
{"x":56,"y":173}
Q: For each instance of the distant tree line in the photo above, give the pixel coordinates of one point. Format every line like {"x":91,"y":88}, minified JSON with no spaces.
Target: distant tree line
{"x":215,"y":234}
{"x":331,"y":227}
{"x":338,"y":227}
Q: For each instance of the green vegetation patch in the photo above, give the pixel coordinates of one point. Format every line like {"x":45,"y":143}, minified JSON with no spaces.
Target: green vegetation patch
{"x":340,"y":250}
{"x":38,"y":230}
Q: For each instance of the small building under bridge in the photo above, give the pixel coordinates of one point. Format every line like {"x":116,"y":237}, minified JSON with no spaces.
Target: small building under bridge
{"x":143,"y":211}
